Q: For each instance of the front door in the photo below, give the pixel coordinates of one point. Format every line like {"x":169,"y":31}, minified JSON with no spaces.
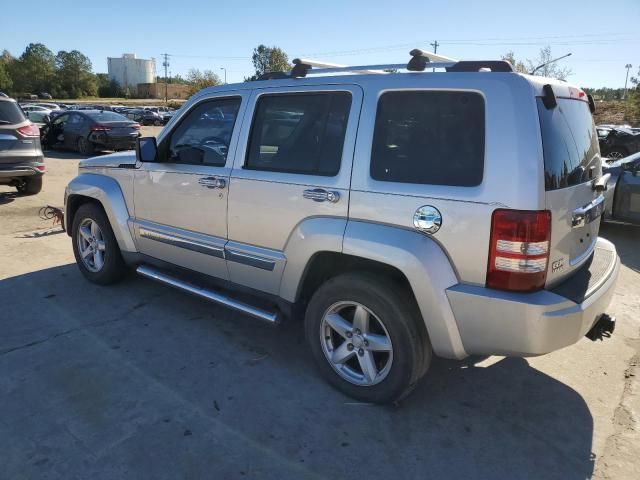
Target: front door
{"x":294,"y":164}
{"x":181,"y":200}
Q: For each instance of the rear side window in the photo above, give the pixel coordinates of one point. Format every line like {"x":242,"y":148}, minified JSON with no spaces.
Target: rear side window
{"x":299,"y":133}
{"x":10,"y":113}
{"x":434,"y":138}
{"x":569,"y":142}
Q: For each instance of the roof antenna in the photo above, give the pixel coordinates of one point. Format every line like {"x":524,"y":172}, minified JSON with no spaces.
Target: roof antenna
{"x":533,"y":72}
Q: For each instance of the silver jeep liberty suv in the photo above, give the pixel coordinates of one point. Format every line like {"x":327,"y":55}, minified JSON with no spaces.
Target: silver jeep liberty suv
{"x":403,"y":214}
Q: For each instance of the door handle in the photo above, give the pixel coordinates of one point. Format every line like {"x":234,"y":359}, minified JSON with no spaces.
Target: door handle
{"x":212,"y":182}
{"x":321,"y":195}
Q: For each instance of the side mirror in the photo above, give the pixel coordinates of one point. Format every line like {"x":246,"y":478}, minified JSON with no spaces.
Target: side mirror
{"x":147,"y":149}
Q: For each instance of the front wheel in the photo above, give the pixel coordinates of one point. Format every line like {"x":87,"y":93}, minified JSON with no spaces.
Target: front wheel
{"x":95,"y":246}
{"x":365,"y":336}
{"x":85,"y":147}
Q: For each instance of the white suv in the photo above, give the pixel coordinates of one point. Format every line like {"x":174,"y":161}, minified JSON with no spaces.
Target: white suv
{"x":402,"y":214}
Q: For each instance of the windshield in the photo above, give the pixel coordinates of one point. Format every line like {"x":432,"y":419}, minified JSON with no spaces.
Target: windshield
{"x":569,"y":141}
{"x":106,"y":116}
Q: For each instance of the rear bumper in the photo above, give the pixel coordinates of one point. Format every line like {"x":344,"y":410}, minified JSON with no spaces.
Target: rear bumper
{"x":492,"y":322}
{"x":8,"y":173}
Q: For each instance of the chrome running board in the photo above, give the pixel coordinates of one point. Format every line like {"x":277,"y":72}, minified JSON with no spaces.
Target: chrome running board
{"x":148,"y":272}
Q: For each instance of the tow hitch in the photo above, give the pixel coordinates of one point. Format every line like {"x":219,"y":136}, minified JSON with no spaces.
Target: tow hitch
{"x":603,"y":328}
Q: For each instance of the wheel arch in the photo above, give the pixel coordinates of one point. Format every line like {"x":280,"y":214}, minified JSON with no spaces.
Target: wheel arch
{"x":105,"y":192}
{"x":413,"y":259}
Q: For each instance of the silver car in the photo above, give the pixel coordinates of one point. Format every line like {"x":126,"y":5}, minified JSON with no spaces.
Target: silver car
{"x":402,"y":215}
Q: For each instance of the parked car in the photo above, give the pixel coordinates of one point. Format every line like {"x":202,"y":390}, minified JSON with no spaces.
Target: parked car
{"x":48,"y":106}
{"x":144,"y":117}
{"x":2,"y":94}
{"x":619,"y":143}
{"x":21,"y":158}
{"x":403,"y":215}
{"x":623,"y":190}
{"x":88,"y":131}
{"x":45,"y":95}
{"x":36,"y":113}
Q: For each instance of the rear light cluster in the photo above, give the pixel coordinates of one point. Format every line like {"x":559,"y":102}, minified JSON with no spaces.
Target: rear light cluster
{"x":136,"y":126}
{"x":100,"y":128}
{"x":519,"y":250}
{"x":30,"y":130}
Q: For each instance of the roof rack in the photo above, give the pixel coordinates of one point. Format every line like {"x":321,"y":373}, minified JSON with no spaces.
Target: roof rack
{"x":419,"y":61}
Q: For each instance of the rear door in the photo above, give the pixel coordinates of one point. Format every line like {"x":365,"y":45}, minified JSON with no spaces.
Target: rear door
{"x":572,"y":162}
{"x":294,"y":164}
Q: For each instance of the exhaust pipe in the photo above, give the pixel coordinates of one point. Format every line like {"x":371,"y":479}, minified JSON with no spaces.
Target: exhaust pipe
{"x":153,"y":274}
{"x":603,"y":328}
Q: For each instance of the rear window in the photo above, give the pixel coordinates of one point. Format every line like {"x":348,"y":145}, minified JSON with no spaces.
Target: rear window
{"x":432,"y":138}
{"x":106,"y":116}
{"x":569,"y":141}
{"x":10,"y":113}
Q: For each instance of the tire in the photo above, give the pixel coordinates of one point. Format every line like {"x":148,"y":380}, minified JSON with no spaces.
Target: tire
{"x":31,"y":186}
{"x":392,"y":313}
{"x":85,"y":147}
{"x":111,"y":268}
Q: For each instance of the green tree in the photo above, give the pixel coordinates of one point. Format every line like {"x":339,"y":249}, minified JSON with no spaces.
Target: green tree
{"x":633,"y":99}
{"x":198,"y":80}
{"x":6,"y":83}
{"x":34,"y":71}
{"x":108,"y":88}
{"x":268,"y":59}
{"x":74,"y":76}
{"x":517,"y":66}
{"x":551,"y":70}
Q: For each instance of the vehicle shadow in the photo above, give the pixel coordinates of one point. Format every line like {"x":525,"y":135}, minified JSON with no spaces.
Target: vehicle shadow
{"x":7,"y":197}
{"x":626,"y":238}
{"x":139,"y":380}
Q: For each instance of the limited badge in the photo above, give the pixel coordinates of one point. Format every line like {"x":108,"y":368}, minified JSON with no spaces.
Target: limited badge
{"x":557,"y":265}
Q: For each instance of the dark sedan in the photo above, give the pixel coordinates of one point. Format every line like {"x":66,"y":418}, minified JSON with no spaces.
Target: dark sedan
{"x":623,"y":190}
{"x":90,"y":130}
{"x":618,"y":142}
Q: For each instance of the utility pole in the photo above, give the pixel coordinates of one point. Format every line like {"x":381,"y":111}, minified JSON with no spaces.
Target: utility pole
{"x":624,"y":93}
{"x":165,"y":64}
{"x":225,"y":74}
{"x":435,"y":46}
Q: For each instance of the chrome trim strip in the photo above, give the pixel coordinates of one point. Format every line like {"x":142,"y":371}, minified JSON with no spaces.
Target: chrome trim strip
{"x":248,"y":259}
{"x":182,"y":242}
{"x":148,"y":272}
{"x":587,"y":214}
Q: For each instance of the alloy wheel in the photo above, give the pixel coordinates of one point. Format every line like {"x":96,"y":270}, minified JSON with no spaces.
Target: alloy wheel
{"x":91,"y":245}
{"x":356,"y":343}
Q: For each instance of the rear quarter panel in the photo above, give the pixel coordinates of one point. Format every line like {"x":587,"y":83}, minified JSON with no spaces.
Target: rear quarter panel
{"x":513,"y":168}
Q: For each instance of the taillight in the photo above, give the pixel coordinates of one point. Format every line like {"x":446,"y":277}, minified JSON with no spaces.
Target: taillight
{"x":100,"y":128}
{"x":30,"y":130}
{"x":519,"y":250}
{"x":136,"y":126}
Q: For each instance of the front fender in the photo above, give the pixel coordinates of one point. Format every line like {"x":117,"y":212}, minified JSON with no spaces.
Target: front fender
{"x":427,"y":269}
{"x":105,"y":190}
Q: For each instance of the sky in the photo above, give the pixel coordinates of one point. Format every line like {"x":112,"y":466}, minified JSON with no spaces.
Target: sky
{"x":601,"y":36}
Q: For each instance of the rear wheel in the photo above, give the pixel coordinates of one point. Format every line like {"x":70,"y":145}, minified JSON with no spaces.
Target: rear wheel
{"x":30,"y":186}
{"x":364,"y":334}
{"x":95,"y":246}
{"x":85,"y":147}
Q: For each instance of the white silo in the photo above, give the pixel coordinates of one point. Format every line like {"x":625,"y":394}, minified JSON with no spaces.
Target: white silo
{"x":129,"y":71}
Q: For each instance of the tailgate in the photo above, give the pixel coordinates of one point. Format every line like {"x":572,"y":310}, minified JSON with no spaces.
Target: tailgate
{"x":572,"y":163}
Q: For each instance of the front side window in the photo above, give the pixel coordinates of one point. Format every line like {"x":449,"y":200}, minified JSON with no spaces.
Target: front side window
{"x":203,"y":137}
{"x":429,"y":137}
{"x":299,"y":133}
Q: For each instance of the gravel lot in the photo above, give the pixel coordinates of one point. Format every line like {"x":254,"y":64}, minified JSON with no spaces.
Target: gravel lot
{"x":139,"y":381}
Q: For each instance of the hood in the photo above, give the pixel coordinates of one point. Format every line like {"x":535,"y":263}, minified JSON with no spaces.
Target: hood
{"x":113,"y":160}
